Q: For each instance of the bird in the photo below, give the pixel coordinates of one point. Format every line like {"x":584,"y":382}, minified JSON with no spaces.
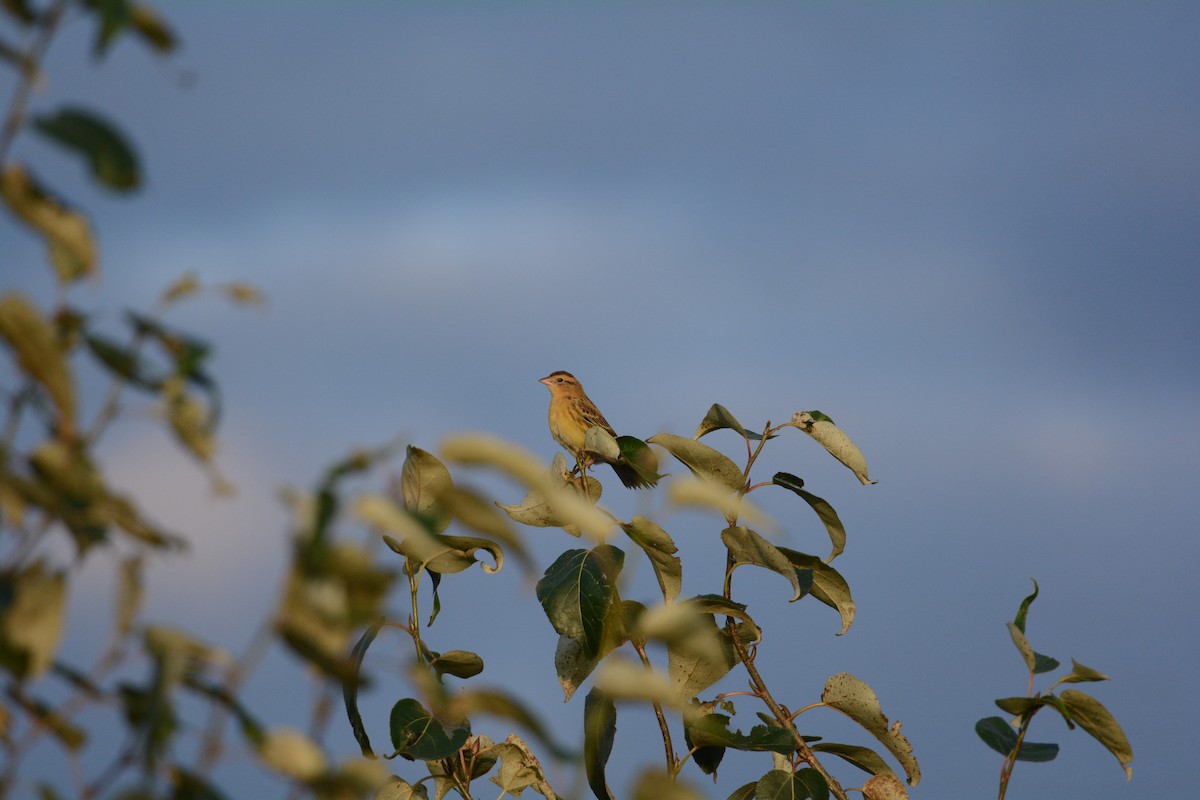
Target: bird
{"x":572,"y":413}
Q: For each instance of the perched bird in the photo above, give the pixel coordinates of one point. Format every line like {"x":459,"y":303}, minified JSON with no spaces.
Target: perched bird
{"x":572,"y":413}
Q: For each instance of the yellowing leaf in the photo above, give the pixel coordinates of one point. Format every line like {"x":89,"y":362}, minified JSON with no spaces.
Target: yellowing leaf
{"x":31,"y":622}
{"x":33,"y":344}
{"x":855,"y":699}
{"x":704,"y":462}
{"x":565,"y":504}
{"x":831,"y":437}
{"x":292,"y":754}
{"x":67,"y":233}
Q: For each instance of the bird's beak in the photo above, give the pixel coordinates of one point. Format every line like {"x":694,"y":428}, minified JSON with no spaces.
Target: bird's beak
{"x":545,"y":380}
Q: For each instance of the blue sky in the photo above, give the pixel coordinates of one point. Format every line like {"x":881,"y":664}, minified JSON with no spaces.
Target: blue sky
{"x":967,"y":233}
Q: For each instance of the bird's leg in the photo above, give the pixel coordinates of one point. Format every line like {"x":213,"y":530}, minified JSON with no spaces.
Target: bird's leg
{"x":581,"y":466}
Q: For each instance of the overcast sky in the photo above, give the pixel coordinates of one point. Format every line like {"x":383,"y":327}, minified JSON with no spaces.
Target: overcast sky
{"x":969,"y":234}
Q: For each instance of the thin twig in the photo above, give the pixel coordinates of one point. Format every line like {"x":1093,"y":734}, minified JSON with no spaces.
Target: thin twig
{"x":15,"y":117}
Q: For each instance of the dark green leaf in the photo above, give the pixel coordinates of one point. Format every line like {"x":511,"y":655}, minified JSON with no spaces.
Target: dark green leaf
{"x":416,"y":734}
{"x":708,"y":757}
{"x":1094,"y":718}
{"x":599,"y":731}
{"x":1023,"y":611}
{"x":744,"y":792}
{"x":192,"y":786}
{"x":459,"y":663}
{"x":864,"y":758}
{"x":829,"y":518}
{"x":747,"y":547}
{"x":124,"y":362}
{"x":997,"y":734}
{"x":1043,"y":664}
{"x":1019,"y":705}
{"x":110,"y":157}
{"x":780,"y":785}
{"x":350,"y":688}
{"x":828,"y":585}
{"x":576,"y":593}
{"x":712,"y":730}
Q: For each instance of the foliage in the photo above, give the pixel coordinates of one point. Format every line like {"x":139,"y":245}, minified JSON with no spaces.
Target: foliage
{"x":665,"y":651}
{"x":1076,"y":708}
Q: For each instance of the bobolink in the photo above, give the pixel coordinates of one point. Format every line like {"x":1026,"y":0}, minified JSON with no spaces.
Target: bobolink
{"x":572,"y":413}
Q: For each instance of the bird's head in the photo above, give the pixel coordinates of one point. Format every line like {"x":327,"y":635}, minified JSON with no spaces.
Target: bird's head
{"x":561,"y":383}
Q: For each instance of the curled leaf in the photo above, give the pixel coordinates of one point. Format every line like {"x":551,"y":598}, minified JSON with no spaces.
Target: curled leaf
{"x":831,"y":437}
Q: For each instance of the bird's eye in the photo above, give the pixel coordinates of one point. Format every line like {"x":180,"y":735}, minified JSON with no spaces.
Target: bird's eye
{"x":560,"y":380}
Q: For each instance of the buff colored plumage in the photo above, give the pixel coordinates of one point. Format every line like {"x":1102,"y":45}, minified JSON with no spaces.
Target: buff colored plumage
{"x":571,"y":414}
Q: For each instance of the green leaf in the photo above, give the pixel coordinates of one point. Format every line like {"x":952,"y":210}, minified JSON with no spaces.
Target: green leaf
{"x":191,"y":786}
{"x":33,"y":345}
{"x":831,"y":437}
{"x":1043,"y":664}
{"x":416,"y":734}
{"x":459,"y":663}
{"x":744,"y":792}
{"x":109,"y":156}
{"x":576,"y":593}
{"x":780,"y":785}
{"x":661,"y":550}
{"x":707,"y":757}
{"x":829,"y":518}
{"x":422,"y":479}
{"x":124,"y":362}
{"x":704,"y":462}
{"x":855,"y":699}
{"x":1023,"y":646}
{"x":690,"y":671}
{"x":70,"y":735}
{"x":1094,"y":718}
{"x":717,"y":418}
{"x":68,"y":235}
{"x":152,"y":28}
{"x":599,"y":731}
{"x":1081,"y":674}
{"x":400,"y":789}
{"x":712,"y":730}
{"x":997,"y":734}
{"x":570,"y":663}
{"x":1018,"y":706}
{"x":828,"y":585}
{"x":1023,"y":611}
{"x":350,"y":688}
{"x":864,"y":758}
{"x":747,"y":547}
